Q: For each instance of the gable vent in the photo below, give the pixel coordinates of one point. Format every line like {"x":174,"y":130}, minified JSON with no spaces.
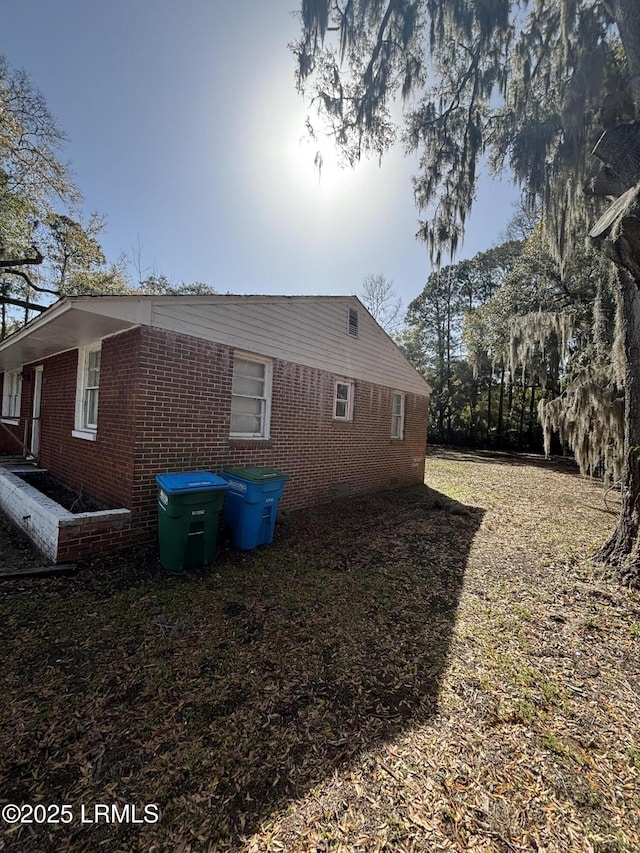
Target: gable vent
{"x":352,"y":327}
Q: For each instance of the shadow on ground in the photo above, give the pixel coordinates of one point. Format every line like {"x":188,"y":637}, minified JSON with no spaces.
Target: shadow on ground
{"x":223,"y":695}
{"x":16,"y":551}
{"x":563,"y":464}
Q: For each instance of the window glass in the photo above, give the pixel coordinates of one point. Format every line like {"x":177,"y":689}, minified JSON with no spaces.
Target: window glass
{"x":343,"y":401}
{"x":93,"y":369}
{"x":12,"y":387}
{"x":242,"y":367}
{"x":91,"y":386}
{"x":250,"y":398}
{"x":244,"y":386}
{"x":87,"y":392}
{"x":397,"y":415}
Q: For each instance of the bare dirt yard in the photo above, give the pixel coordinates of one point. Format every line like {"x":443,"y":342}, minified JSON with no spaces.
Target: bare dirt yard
{"x":438,"y":668}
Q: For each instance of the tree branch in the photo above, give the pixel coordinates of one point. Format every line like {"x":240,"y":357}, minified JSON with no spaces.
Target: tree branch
{"x":23,"y":275}
{"x":22,"y":262}
{"x":21,"y":303}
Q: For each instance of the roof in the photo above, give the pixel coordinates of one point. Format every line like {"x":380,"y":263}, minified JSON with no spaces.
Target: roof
{"x":309,"y":330}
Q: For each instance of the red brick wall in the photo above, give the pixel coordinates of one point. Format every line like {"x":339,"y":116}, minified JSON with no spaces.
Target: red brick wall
{"x":165,"y":405}
{"x":184,"y":418}
{"x":183,"y":411}
{"x":93,"y":536}
{"x":13,"y":446}
{"x":103,"y":468}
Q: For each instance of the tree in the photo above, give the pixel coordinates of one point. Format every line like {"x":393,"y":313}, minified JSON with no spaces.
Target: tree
{"x":45,"y":248}
{"x":382,"y":302}
{"x":531,"y":87}
{"x":436,"y":315}
{"x":159,"y":285}
{"x":452,"y":296}
{"x":32,"y":179}
{"x":561,"y":330}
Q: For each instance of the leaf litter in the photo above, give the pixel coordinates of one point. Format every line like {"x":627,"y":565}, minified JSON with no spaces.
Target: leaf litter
{"x":437,"y":668}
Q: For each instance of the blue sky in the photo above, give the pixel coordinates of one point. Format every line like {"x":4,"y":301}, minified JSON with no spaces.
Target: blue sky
{"x":184,"y":129}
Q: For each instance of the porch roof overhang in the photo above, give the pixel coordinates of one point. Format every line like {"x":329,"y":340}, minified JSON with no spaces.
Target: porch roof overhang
{"x":64,"y":326}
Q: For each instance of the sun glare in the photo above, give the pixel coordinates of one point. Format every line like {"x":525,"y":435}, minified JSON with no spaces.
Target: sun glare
{"x":314,"y":167}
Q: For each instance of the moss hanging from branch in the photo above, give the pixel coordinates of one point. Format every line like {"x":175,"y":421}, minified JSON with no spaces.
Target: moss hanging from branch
{"x":589,"y":419}
{"x":543,"y":332}
{"x":588,"y":416}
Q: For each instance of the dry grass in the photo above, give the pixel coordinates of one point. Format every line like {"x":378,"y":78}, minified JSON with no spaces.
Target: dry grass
{"x":436,"y":669}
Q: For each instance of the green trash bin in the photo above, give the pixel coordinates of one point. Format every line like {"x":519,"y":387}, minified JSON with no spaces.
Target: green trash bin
{"x":189,"y":507}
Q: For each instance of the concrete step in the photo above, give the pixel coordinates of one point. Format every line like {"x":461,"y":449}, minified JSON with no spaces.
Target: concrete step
{"x":5,"y":459}
{"x":19,"y":464}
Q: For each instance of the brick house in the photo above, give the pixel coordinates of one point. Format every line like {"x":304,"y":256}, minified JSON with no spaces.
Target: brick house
{"x":107,"y":392}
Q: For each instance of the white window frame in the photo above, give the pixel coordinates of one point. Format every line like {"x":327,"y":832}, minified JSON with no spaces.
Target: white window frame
{"x":339,"y":401}
{"x":83,"y":429}
{"x":265,"y":398}
{"x":397,"y":418}
{"x":11,"y":396}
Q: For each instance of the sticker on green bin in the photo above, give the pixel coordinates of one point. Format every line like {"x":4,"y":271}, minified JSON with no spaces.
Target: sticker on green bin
{"x":257,"y":475}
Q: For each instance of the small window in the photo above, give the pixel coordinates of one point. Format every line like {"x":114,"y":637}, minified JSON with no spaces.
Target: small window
{"x":352,"y":323}
{"x":251,"y":397}
{"x":397,"y":416}
{"x":343,"y":401}
{"x":87,"y":392}
{"x":11,"y":394}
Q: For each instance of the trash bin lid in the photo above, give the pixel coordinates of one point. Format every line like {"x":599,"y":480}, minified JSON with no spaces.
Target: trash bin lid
{"x":256,"y":475}
{"x":191,"y":481}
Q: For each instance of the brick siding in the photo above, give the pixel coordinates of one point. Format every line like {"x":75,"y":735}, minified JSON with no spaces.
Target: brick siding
{"x":165,"y":405}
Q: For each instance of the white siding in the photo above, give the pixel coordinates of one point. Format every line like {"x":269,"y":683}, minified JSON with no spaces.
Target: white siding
{"x":304,"y":330}
{"x":308,"y":330}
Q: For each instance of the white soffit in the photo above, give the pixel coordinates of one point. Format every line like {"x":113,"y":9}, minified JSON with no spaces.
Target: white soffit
{"x":64,"y":329}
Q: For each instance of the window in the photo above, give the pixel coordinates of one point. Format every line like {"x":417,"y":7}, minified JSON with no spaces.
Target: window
{"x":87,"y":392}
{"x":251,"y":397}
{"x":397,"y":415}
{"x":11,"y":393}
{"x":352,"y":323}
{"x":343,"y":401}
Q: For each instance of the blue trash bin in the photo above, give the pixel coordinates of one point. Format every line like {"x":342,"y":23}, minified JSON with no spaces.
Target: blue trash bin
{"x":251,"y":504}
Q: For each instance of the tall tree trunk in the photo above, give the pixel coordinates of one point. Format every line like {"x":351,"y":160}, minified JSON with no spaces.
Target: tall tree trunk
{"x":532,"y":411}
{"x":489,"y":407}
{"x":440,"y":419}
{"x":473,"y":403}
{"x":617,"y":233}
{"x":500,"y":407}
{"x":623,"y":548}
{"x":448,"y":351}
{"x":523,"y":404}
{"x":3,"y":308}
